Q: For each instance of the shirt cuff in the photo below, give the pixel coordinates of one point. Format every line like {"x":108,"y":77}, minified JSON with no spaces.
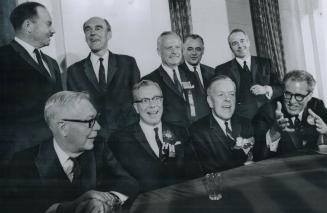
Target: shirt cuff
{"x":269,"y":92}
{"x":121,"y":196}
{"x":52,"y":208}
{"x":273,"y":145}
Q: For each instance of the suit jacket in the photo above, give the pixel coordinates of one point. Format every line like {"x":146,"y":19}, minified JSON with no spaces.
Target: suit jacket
{"x":265,"y":119}
{"x":25,"y":87}
{"x":37,"y":179}
{"x":207,"y":73}
{"x":132,"y":149}
{"x":262,"y":73}
{"x":116,"y":103}
{"x":213,"y":149}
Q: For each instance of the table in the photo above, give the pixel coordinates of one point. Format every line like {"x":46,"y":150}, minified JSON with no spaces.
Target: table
{"x":290,"y":184}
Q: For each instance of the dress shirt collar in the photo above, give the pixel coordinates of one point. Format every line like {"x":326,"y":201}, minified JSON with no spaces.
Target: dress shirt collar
{"x":150,"y":135}
{"x":240,"y":61}
{"x":191,"y":67}
{"x":148,"y":128}
{"x":29,"y":48}
{"x":96,"y":63}
{"x":221,"y":122}
{"x":62,"y":155}
{"x":170,"y":72}
{"x":95,"y":58}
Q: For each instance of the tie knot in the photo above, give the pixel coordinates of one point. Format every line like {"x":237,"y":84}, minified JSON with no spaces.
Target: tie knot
{"x":100,"y":59}
{"x":244,"y":63}
{"x":156,"y":130}
{"x":194,"y":68}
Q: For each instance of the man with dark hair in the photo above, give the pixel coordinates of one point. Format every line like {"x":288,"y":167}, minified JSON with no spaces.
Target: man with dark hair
{"x":221,"y":140}
{"x":108,"y":77}
{"x":28,"y":78}
{"x":256,"y":80}
{"x":70,"y":172}
{"x":292,"y":122}
{"x":151,"y":150}
{"x":199,"y":74}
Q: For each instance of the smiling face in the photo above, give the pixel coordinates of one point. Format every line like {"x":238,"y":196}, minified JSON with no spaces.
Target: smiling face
{"x":97,"y":34}
{"x":221,"y":98}
{"x":170,"y":50}
{"x":239,"y":44}
{"x":293,"y":106}
{"x":151,"y":112}
{"x":193,"y":51}
{"x":40,"y":28}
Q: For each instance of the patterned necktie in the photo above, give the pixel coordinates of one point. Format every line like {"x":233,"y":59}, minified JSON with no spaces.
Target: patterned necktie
{"x":177,"y":83}
{"x":158,"y":141}
{"x":228,"y":131}
{"x":245,"y":67}
{"x":76,"y":170}
{"x":102,"y":76}
{"x":197,"y":77}
{"x":40,"y":62}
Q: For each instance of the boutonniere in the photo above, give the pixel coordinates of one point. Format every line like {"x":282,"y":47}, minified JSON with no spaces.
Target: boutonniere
{"x":244,"y":143}
{"x":187,"y":85}
{"x":169,"y":143}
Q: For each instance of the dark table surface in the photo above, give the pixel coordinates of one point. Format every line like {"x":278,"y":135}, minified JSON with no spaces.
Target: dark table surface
{"x":290,"y":184}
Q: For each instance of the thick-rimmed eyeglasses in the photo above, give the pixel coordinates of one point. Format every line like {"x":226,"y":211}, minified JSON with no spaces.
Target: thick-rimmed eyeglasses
{"x":91,"y":121}
{"x":297,"y":97}
{"x":146,"y":101}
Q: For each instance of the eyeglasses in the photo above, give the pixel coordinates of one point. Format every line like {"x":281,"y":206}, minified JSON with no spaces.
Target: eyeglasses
{"x":146,"y":101}
{"x":91,"y":121}
{"x":298,"y":97}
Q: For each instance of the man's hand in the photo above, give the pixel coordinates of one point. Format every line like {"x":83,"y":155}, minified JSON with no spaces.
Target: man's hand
{"x":258,"y":90}
{"x":316,"y":120}
{"x":93,"y":206}
{"x":281,"y":124}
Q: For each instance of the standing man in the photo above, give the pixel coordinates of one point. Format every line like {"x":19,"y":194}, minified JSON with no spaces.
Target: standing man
{"x":108,"y":77}
{"x":256,"y":81}
{"x":199,"y":74}
{"x":71,"y":171}
{"x":151,"y":150}
{"x":28,"y":78}
{"x":220,"y":140}
{"x":293,"y":121}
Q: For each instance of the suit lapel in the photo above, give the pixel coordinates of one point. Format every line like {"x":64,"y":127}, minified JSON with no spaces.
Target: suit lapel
{"x":236,"y":127}
{"x":88,"y":164}
{"x":141,"y":139}
{"x":167,"y":80}
{"x":50,"y":66}
{"x":112,"y":67}
{"x":235,"y":72}
{"x":219,"y":133}
{"x":90,"y":74}
{"x":254,"y":69}
{"x":26,"y":56}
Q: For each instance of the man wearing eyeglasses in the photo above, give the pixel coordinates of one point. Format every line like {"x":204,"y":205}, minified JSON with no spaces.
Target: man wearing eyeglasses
{"x":150,"y":150}
{"x":71,"y":172}
{"x":292,"y":122}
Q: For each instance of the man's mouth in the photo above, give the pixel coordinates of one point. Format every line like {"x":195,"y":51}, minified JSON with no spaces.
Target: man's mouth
{"x":153,"y":113}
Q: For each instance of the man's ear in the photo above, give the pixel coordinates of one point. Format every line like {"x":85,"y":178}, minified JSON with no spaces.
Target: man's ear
{"x":27,"y":26}
{"x":209,"y":100}
{"x":62,"y":128}
{"x":136,"y":109}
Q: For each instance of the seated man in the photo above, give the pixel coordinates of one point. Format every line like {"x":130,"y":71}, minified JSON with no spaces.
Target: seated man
{"x":150,"y":150}
{"x":62,"y":174}
{"x":221,"y":140}
{"x":291,"y":122}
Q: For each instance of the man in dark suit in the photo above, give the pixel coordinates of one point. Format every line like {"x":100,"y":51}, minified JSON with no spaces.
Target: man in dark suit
{"x":180,"y":104}
{"x":292,"y":122}
{"x":151,"y":150}
{"x":108,"y":77}
{"x":199,"y":74}
{"x":62,"y":174}
{"x":220,"y":140}
{"x":256,"y":81}
{"x":28,"y":78}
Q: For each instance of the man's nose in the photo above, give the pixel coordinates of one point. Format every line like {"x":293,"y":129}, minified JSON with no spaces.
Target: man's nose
{"x":96,"y":126}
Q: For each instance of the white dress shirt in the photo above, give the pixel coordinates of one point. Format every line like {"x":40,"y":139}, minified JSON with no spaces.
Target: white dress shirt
{"x":221,"y":123}
{"x":170,"y":72}
{"x":150,"y":135}
{"x":198,"y":70}
{"x":96,"y":63}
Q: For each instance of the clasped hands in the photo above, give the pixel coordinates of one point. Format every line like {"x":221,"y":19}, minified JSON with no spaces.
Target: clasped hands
{"x":91,"y":202}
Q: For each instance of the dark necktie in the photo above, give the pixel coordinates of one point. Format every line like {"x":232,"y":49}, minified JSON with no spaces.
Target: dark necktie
{"x":158,"y":141}
{"x":177,"y":83}
{"x":245,"y":67}
{"x":297,"y":127}
{"x":40,"y":62}
{"x":76,"y":170}
{"x":297,"y":122}
{"x":102,"y":76}
{"x":197,"y":77}
{"x":228,"y":131}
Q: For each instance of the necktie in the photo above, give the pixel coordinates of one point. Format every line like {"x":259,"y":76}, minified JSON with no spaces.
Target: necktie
{"x":40,"y":62}
{"x":102,"y":76}
{"x":177,"y":83}
{"x":197,"y":77}
{"x":228,"y":131}
{"x":297,"y":122}
{"x":245,"y":67}
{"x":76,"y":170}
{"x":297,"y":127}
{"x":158,"y":141}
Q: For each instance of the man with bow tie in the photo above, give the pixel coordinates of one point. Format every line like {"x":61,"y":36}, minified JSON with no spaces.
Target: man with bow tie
{"x":292,"y":122}
{"x":220,"y":140}
{"x":150,"y":150}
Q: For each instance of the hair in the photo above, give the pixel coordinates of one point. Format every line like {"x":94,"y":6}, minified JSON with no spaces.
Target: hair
{"x":194,"y":36}
{"x":218,"y":78}
{"x":141,"y":84}
{"x":236,"y":31}
{"x":105,"y":21}
{"x":163,"y":34}
{"x":23,"y":12}
{"x":63,"y":101}
{"x":300,"y":76}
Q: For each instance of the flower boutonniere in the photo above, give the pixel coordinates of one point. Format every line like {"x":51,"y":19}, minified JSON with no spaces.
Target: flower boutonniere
{"x":169,"y":143}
